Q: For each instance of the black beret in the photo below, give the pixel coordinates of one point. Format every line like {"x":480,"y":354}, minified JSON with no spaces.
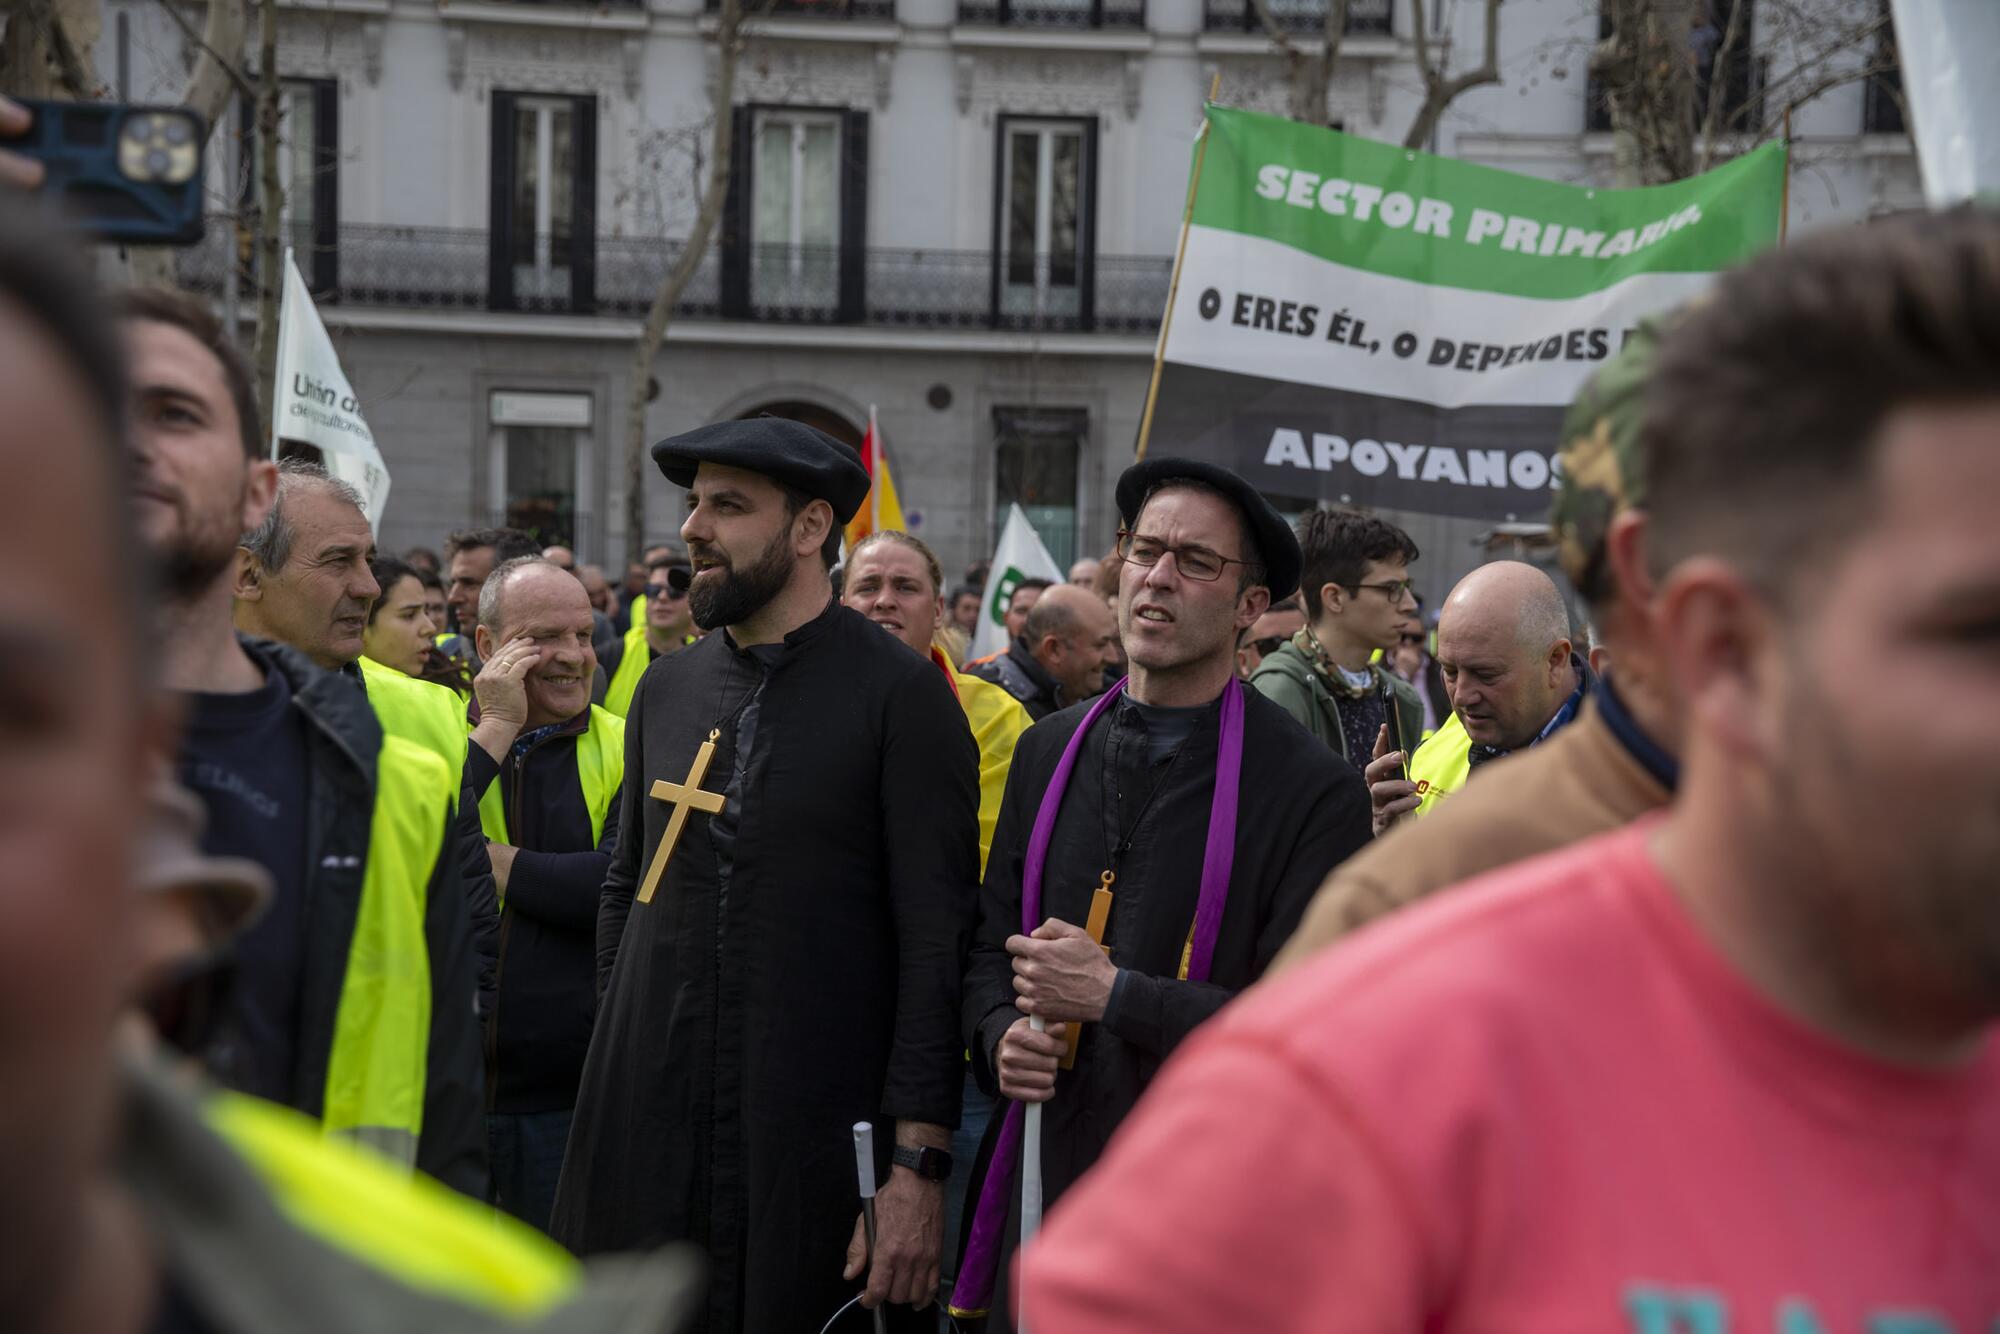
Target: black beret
{"x":783,"y":450}
{"x":1268,"y":529}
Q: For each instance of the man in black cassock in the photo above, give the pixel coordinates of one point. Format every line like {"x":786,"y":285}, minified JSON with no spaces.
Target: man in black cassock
{"x":1204,"y":555}
{"x":788,"y":964}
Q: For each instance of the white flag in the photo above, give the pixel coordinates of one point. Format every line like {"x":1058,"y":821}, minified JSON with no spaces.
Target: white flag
{"x":1019,"y":556}
{"x":316,"y":405}
{"x":1953,"y":98}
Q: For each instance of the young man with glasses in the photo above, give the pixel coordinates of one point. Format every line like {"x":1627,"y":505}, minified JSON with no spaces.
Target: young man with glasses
{"x":664,"y":625}
{"x":1357,"y":595}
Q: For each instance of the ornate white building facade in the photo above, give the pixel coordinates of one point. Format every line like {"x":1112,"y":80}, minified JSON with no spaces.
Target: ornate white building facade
{"x":960,"y":212}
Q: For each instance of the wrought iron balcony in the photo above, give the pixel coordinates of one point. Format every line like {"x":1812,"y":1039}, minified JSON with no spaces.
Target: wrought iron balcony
{"x":1128,"y":15}
{"x":432,"y":268}
{"x":883,"y":11}
{"x":1365,"y":18}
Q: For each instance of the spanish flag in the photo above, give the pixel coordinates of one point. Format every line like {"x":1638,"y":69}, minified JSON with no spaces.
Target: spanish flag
{"x":883,"y":510}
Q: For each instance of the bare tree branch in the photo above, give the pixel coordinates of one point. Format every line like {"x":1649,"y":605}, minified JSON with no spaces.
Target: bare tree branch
{"x":1440,"y":92}
{"x":729,"y":48}
{"x":270,"y":206}
{"x":1718,"y":86}
{"x":216,"y":71}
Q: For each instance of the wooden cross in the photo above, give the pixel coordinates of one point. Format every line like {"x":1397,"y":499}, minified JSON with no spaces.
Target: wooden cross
{"x":683,"y":797}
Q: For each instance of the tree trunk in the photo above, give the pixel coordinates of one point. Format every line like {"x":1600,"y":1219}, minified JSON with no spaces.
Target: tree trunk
{"x":1440,"y":92}
{"x":728,"y":37}
{"x":46,"y":50}
{"x":270,"y":207}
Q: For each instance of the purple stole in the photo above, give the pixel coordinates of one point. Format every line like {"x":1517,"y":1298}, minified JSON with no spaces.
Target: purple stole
{"x":972,"y":1294}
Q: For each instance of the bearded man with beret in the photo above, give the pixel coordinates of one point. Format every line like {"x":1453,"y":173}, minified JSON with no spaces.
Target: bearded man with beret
{"x":781,"y":931}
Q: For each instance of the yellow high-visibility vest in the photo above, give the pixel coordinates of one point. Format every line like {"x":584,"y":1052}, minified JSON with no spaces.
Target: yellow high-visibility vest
{"x":631,"y":666}
{"x":997,"y":721}
{"x":422,"y":712}
{"x":1439,"y":766}
{"x":600,"y":769}
{"x":405,"y":1225}
{"x":376,"y":1072}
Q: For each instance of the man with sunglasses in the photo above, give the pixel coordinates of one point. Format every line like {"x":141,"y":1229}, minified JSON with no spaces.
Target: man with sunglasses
{"x":1271,"y":630}
{"x":1141,"y":872}
{"x":1356,"y":590}
{"x":662,"y":626}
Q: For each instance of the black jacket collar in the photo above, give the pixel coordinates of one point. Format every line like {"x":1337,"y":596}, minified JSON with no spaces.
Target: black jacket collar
{"x":337,"y":706}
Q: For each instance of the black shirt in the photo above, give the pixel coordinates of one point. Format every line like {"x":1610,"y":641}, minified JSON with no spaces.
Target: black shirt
{"x":176,"y":1314}
{"x":244,"y":755}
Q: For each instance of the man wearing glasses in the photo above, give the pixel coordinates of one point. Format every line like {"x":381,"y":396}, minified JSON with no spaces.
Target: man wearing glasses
{"x":664,"y":626}
{"x":1142,"y":872}
{"x":1356,"y":589}
{"x":1272,"y":629}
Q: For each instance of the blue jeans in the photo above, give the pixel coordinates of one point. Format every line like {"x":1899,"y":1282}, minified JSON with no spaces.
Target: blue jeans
{"x":975,"y":1112}
{"x":527,"y":1153}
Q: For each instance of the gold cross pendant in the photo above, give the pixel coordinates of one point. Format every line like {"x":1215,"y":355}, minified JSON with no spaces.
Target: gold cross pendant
{"x":682,"y":796}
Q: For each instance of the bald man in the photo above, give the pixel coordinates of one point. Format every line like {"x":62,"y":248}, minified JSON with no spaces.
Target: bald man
{"x":1066,"y":642}
{"x":1514,"y":676}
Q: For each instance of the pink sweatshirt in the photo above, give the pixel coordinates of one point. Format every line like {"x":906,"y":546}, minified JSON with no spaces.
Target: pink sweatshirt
{"x":1541,"y":1105}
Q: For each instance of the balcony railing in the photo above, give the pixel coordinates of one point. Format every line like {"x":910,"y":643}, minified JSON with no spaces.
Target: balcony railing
{"x":1128,"y":15}
{"x":433,"y":268}
{"x":1365,"y":18}
{"x":869,"y":10}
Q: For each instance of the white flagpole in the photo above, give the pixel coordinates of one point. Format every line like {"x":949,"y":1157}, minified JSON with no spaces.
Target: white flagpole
{"x":875,"y":482}
{"x":284,"y":280}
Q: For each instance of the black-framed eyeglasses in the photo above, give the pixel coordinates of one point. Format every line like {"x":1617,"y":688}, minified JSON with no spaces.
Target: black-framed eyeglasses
{"x":1393,"y":591}
{"x":665,"y":591}
{"x":1413,"y":641}
{"x":1268,"y":645}
{"x":1197,"y":563}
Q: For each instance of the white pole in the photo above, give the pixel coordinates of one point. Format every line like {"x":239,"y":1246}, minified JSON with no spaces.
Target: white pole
{"x":864,"y":1170}
{"x":1031,"y":1177}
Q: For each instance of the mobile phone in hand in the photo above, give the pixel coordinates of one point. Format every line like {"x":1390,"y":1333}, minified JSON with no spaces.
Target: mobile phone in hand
{"x":125,"y":174}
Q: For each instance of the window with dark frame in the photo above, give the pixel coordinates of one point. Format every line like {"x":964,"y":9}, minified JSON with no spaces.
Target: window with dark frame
{"x":1882,"y":99}
{"x":309,"y":173}
{"x":1044,"y":222}
{"x":795,"y":219}
{"x":1037,"y":457}
{"x":1740,"y":73}
{"x":543,"y":244}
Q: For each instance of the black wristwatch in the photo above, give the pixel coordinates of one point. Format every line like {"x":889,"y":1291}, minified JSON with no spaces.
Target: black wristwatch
{"x":930,"y":1164}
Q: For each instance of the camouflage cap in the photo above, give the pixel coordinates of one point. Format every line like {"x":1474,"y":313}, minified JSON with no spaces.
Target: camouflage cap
{"x":1603,"y":470}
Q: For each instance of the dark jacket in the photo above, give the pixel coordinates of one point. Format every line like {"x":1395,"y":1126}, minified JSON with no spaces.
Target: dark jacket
{"x":1017,"y":672}
{"x":539,"y":1031}
{"x":343,"y":738}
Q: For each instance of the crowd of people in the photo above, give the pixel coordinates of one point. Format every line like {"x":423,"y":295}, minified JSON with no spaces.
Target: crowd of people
{"x":472,"y":941}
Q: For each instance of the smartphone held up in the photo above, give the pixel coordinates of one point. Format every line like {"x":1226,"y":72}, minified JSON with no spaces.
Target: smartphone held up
{"x":125,"y":174}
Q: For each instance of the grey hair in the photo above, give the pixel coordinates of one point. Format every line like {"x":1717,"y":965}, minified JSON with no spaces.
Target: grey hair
{"x":490,"y":592}
{"x":271,"y":541}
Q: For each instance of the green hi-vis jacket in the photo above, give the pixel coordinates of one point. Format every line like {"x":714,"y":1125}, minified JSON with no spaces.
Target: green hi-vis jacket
{"x":264,"y":1224}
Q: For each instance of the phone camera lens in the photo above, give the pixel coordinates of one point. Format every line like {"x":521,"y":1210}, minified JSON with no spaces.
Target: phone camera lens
{"x":177,"y":131}
{"x":157,"y":161}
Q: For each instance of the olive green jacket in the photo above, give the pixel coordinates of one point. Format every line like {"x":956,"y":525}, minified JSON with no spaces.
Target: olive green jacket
{"x":1288,"y":679}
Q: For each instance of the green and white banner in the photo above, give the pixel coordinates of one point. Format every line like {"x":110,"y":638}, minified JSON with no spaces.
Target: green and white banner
{"x":1361,"y":323}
